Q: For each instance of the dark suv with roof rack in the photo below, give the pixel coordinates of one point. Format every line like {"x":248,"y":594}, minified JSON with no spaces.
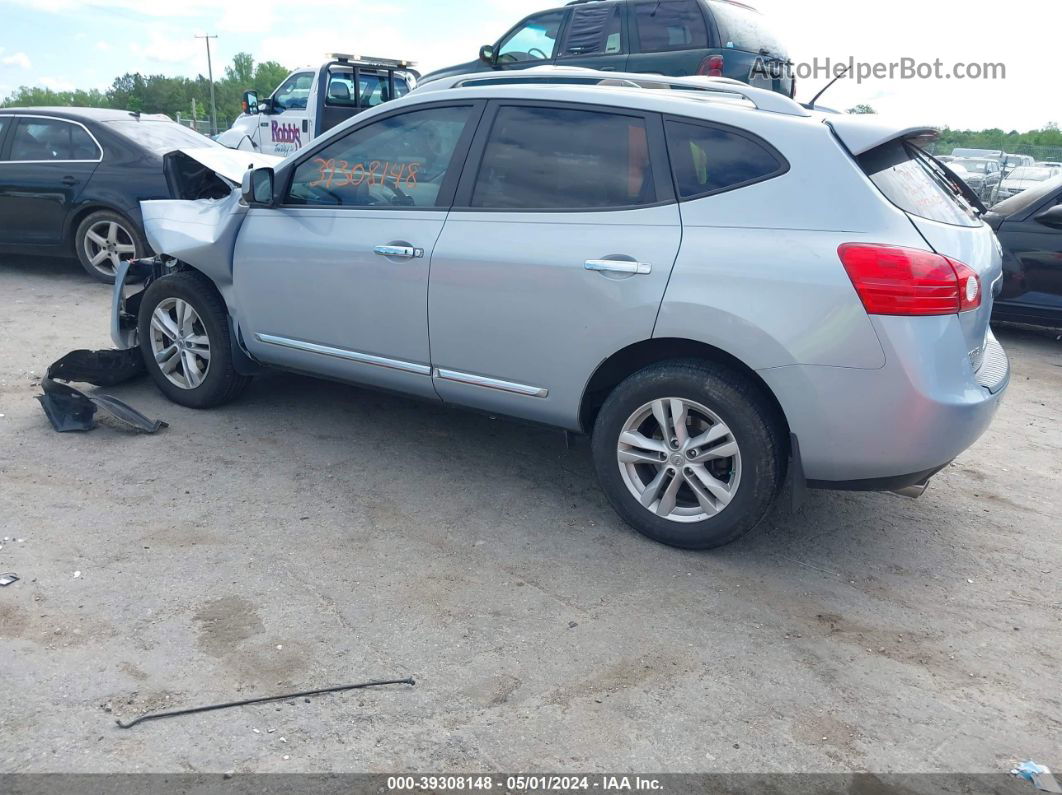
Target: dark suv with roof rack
{"x":717,"y":38}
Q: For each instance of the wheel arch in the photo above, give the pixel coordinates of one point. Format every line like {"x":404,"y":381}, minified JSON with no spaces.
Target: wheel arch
{"x":634,"y":357}
{"x":84,"y":211}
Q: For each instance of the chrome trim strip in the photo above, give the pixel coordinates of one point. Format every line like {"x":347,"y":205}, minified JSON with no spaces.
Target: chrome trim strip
{"x":491,"y":383}
{"x":618,"y":266}
{"x":95,"y":140}
{"x":342,"y":353}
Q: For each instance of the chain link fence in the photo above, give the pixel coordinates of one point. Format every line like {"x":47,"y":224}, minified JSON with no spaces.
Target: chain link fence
{"x":200,"y":125}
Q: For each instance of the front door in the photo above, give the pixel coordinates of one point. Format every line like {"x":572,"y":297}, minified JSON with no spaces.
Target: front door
{"x":286,"y":127}
{"x":556,"y":255}
{"x":334,"y":281}
{"x":47,"y":165}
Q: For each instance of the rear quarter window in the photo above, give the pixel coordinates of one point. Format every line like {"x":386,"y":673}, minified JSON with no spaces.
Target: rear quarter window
{"x":910,"y":181}
{"x":670,"y":25}
{"x":709,"y":159}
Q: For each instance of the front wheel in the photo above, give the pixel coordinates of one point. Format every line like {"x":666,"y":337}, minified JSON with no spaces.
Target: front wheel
{"x":689,"y":453}
{"x":184,"y":338}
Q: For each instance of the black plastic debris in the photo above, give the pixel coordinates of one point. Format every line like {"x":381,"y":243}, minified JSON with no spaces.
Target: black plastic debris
{"x":70,"y":409}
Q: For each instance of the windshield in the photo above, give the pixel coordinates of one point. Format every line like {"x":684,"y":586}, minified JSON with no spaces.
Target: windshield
{"x":971,"y":165}
{"x":744,"y":28}
{"x":1034,"y":174}
{"x":161,"y":136}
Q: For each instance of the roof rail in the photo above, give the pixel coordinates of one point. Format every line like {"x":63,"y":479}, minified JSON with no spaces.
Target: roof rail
{"x":721,"y":87}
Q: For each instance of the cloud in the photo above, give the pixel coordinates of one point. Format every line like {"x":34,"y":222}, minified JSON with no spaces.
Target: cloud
{"x":56,"y":83}
{"x":17,"y":59}
{"x":171,"y":48}
{"x":103,"y":46}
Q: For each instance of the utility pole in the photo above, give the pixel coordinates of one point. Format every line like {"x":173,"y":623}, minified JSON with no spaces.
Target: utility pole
{"x":210,"y":75}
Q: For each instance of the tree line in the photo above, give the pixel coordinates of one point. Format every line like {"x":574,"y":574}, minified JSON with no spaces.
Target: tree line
{"x":163,"y":94}
{"x":190,"y":97}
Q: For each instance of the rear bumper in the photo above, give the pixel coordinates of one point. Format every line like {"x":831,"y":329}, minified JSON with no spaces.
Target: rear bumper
{"x":892,"y":427}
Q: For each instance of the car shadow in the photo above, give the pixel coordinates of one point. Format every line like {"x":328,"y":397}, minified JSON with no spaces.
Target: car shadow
{"x":61,"y":267}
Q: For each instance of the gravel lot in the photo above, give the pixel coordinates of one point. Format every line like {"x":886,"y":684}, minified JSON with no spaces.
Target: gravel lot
{"x":315,"y":534}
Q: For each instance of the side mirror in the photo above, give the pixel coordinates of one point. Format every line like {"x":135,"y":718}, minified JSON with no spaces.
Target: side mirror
{"x":486,"y":54}
{"x":250,"y":102}
{"x":1051,"y":217}
{"x":257,"y":187}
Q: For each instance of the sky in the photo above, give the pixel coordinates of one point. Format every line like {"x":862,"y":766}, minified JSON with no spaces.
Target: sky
{"x":64,"y":44}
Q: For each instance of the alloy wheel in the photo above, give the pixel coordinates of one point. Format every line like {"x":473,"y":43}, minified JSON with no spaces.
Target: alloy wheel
{"x":108,"y":244}
{"x":679,"y":460}
{"x":180,"y":343}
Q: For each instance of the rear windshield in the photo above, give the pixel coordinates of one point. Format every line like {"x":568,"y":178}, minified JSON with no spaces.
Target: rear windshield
{"x":744,"y":28}
{"x":1027,"y":198}
{"x":160,"y":136}
{"x":911,"y":181}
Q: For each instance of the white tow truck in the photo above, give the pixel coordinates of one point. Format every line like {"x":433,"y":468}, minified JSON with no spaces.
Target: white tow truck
{"x":312,"y":100}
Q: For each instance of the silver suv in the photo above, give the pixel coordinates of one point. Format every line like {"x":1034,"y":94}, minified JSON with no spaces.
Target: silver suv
{"x":723,"y":289}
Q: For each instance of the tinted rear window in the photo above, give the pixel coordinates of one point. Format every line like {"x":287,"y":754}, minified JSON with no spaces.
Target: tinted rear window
{"x":553,"y":158}
{"x":911,"y":182}
{"x":594,"y":30}
{"x":670,"y":25}
{"x":160,"y":136}
{"x":711,"y":159}
{"x":744,"y":28}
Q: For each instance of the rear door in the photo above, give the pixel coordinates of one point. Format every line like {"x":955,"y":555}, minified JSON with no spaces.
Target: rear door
{"x":556,"y":255}
{"x":48,"y":163}
{"x":595,"y":38}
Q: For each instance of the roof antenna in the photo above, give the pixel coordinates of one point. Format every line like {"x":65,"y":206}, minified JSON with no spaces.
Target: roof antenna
{"x":827,"y":87}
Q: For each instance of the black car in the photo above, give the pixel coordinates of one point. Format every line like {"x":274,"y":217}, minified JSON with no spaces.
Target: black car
{"x":717,"y":38}
{"x":71,"y":181}
{"x":1029,"y":226}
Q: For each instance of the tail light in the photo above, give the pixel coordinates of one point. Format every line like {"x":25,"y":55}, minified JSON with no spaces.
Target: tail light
{"x":891,"y":280}
{"x":712,"y":66}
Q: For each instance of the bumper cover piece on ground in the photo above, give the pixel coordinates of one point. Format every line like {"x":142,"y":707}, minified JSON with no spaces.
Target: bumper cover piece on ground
{"x":70,"y":409}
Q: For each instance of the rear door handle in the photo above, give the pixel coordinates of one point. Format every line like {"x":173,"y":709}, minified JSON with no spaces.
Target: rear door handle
{"x":402,"y":252}
{"x":618,"y":266}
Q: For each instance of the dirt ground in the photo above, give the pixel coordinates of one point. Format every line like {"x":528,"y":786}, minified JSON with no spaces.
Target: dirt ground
{"x":315,"y":534}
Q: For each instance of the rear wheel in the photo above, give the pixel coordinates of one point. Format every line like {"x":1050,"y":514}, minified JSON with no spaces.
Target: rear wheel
{"x":184,"y":338}
{"x":689,"y":453}
{"x":104,"y":240}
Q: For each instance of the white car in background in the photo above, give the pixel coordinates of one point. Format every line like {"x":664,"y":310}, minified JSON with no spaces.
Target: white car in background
{"x":1025,"y":177}
{"x":314,"y":99}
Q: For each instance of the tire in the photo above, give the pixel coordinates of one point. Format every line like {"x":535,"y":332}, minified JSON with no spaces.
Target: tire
{"x":729,"y":467}
{"x":106,"y":238}
{"x":187,"y":377}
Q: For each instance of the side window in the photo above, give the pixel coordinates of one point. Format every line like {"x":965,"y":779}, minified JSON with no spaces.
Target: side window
{"x":554,"y":158}
{"x":670,"y":25}
{"x":294,"y":93}
{"x":51,"y":139}
{"x":534,"y":40}
{"x":5,"y":122}
{"x":400,"y":161}
{"x":711,"y":159}
{"x":594,"y":30}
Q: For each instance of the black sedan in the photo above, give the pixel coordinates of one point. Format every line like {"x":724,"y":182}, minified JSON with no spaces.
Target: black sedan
{"x":71,"y":181}
{"x":1029,"y":226}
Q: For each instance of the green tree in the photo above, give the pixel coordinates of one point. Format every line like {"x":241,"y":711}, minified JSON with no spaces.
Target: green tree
{"x":861,"y":109}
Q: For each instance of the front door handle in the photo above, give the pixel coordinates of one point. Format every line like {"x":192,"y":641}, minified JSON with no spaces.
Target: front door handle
{"x":70,"y":180}
{"x":402,"y":252}
{"x":618,"y":266}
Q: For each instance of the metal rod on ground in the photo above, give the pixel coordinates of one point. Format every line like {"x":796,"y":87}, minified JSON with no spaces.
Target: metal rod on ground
{"x":210,"y":76}
{"x":264,"y":699}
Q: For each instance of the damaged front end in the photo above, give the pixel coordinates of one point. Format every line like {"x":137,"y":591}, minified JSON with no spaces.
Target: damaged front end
{"x":198,"y":230}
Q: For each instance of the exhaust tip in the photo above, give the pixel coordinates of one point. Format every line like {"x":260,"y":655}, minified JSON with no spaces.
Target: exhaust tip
{"x":914,"y":492}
